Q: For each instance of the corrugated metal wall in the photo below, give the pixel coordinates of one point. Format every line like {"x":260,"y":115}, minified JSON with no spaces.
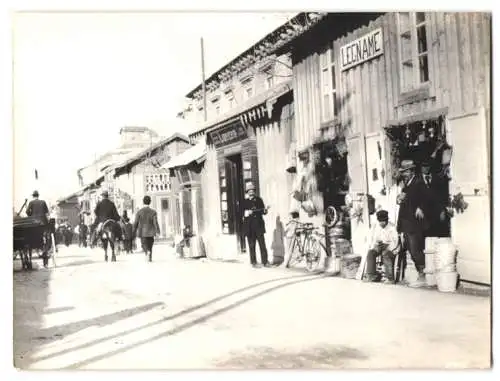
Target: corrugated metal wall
{"x":306,"y":90}
{"x":210,"y":195}
{"x":273,"y":143}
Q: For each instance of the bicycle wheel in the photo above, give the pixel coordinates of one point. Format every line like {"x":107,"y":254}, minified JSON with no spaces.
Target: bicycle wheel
{"x":315,"y":252}
{"x":295,"y":255}
{"x":331,"y":217}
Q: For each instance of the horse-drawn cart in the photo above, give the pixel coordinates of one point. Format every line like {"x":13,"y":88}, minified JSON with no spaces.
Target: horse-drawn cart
{"x":32,"y":234}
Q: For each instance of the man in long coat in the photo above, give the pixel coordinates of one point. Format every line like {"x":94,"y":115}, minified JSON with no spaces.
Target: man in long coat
{"x":412,"y":221}
{"x":254,"y":226}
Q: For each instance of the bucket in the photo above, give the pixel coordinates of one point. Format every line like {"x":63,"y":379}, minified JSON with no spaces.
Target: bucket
{"x":447,"y":281}
{"x":430,"y":279}
{"x":430,"y":262}
{"x":446,"y":253}
{"x":431,"y":243}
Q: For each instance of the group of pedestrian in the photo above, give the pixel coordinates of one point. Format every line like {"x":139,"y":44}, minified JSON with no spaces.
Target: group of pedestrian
{"x":422,"y":213}
{"x":145,"y":225}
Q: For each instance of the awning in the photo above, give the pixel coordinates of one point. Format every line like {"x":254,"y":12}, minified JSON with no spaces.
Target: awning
{"x":195,"y":153}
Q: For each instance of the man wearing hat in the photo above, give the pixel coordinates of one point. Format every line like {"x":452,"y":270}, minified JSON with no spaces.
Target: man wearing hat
{"x":38,"y":208}
{"x":385,"y":242}
{"x":437,"y":187}
{"x":412,"y":222}
{"x":106,"y":210}
{"x":254,"y":226}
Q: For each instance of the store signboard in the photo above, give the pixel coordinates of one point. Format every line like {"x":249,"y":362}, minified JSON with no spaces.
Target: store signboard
{"x":365,"y":48}
{"x":228,"y":134}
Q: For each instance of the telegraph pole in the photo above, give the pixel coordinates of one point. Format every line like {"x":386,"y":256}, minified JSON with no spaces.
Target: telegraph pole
{"x":203,"y":89}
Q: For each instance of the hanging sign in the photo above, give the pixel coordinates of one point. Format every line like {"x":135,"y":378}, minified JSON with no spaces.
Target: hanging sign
{"x":363,"y":49}
{"x":228,"y":134}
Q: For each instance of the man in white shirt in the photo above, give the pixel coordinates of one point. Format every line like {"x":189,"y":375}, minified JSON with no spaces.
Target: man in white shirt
{"x":385,"y":242}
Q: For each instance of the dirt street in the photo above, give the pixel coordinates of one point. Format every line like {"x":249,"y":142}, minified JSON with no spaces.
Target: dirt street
{"x":198,"y":314}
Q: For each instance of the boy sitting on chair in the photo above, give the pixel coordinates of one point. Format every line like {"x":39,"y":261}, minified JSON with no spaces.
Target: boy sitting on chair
{"x":384,"y":242}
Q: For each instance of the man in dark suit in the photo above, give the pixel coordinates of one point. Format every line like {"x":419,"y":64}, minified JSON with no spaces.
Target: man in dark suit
{"x":437,"y":187}
{"x":254,"y":226}
{"x":38,"y":208}
{"x":412,"y":222}
{"x":146,"y":227}
{"x":106,"y":210}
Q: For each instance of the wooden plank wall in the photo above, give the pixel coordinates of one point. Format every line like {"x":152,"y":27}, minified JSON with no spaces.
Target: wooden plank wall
{"x":273,"y":143}
{"x":459,"y":68}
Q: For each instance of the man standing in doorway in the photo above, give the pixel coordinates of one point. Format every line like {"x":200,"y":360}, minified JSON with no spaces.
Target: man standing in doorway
{"x":412,"y":222}
{"x":254,"y":226}
{"x":438,"y":193}
{"x":146,"y":227}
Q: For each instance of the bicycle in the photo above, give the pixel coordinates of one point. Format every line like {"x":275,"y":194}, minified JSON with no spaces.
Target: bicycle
{"x":307,"y":239}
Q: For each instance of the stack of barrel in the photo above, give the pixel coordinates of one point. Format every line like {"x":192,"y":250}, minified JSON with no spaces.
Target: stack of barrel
{"x":339,"y":245}
{"x":440,"y":264}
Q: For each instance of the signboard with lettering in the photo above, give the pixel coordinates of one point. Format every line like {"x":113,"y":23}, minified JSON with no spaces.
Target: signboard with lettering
{"x":363,"y":49}
{"x":228,"y":134}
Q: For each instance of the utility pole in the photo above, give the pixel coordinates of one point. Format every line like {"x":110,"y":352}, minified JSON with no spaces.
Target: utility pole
{"x":203,"y":89}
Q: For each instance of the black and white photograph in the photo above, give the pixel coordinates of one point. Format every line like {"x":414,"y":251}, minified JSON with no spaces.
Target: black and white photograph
{"x":252,"y":190}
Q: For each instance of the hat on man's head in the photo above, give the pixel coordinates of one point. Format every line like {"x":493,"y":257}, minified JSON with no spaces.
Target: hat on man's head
{"x":250,"y":186}
{"x":406,"y":165}
{"x":382,"y":215}
{"x":426,"y":163}
{"x":105,"y":193}
{"x":35,"y":194}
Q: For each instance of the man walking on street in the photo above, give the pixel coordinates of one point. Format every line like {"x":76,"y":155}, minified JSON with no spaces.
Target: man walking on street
{"x":146,"y":227}
{"x":412,"y":223}
{"x":254,"y":226}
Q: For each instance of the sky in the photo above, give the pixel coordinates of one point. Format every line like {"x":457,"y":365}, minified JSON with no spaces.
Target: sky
{"x":79,"y":77}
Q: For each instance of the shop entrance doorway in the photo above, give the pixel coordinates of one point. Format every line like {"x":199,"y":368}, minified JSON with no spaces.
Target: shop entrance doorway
{"x":235,"y":197}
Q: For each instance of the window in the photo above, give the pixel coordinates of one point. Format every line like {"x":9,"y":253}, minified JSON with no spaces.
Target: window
{"x":216,"y":104}
{"x":413,"y":50}
{"x":329,"y":109}
{"x":230,"y":101}
{"x":269,"y":81}
{"x":158,"y":182}
{"x":248,"y":93}
{"x":247,"y":88}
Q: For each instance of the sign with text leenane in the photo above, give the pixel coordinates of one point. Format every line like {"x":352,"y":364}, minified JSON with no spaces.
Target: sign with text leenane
{"x":363,"y":49}
{"x":228,"y":134}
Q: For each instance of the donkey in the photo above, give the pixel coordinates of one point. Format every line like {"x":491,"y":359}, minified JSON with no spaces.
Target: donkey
{"x":108,"y":234}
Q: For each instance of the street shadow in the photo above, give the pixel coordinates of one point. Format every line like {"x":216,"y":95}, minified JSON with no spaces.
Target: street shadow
{"x":29,"y":298}
{"x":77,"y":263}
{"x":57,"y":309}
{"x":325,"y":356}
{"x":192,"y":323}
{"x":59,"y":331}
{"x":301,"y":277}
{"x":278,"y":244}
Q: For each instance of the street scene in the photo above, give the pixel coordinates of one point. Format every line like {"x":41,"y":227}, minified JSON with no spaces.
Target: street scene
{"x":313,"y":192}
